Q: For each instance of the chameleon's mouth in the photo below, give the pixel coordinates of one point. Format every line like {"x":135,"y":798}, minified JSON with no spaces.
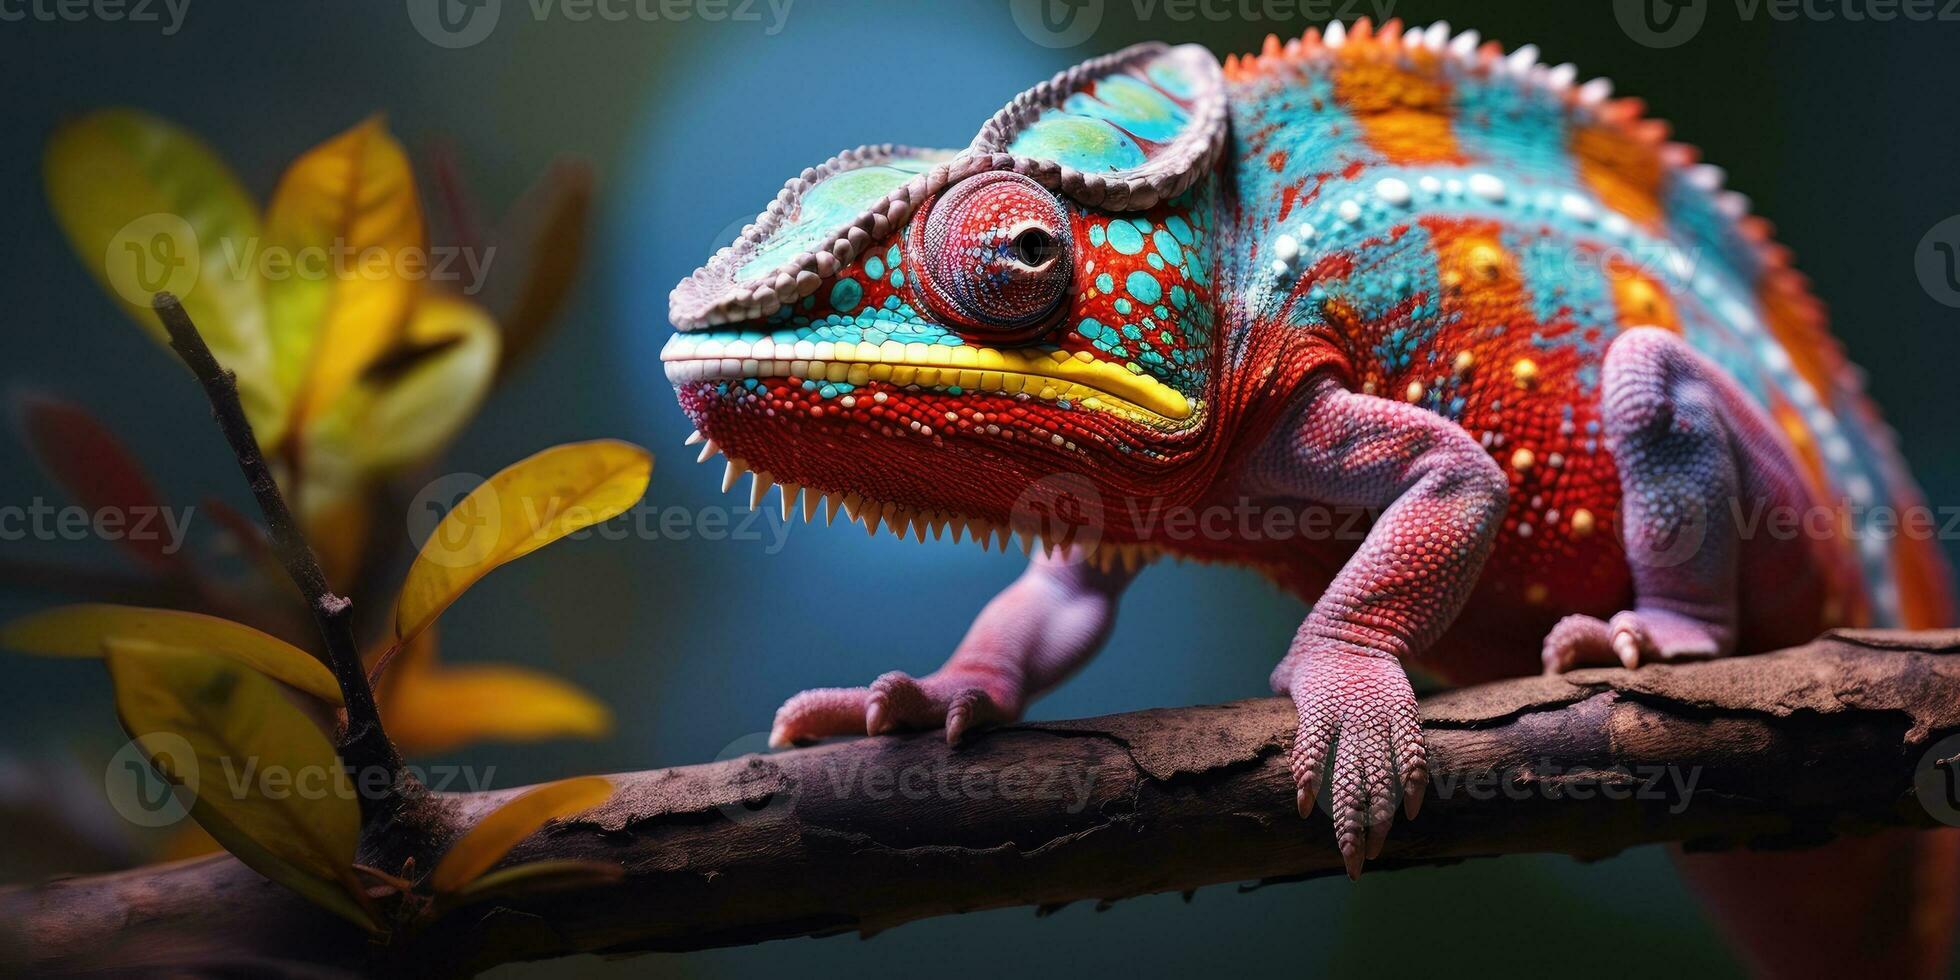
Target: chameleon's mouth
{"x":1048,"y":374}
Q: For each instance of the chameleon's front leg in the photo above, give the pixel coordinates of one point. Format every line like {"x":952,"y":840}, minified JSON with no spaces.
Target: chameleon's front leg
{"x":1444,"y":498}
{"x":1035,"y":633}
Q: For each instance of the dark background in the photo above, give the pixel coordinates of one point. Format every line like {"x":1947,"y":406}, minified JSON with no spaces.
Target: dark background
{"x":1840,"y":129}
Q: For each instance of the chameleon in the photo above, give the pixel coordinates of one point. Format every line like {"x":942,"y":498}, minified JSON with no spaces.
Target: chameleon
{"x":1567,"y":381}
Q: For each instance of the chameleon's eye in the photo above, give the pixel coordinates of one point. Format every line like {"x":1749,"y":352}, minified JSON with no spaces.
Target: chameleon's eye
{"x":994,"y":256}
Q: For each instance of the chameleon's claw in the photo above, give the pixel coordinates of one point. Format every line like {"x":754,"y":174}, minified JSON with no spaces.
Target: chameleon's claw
{"x":1361,"y":708}
{"x":1415,"y":785}
{"x":1627,"y":647}
{"x":877,"y":719}
{"x":970,"y":708}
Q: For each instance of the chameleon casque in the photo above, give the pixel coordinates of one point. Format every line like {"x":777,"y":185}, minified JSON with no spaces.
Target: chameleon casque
{"x":1554,"y":361}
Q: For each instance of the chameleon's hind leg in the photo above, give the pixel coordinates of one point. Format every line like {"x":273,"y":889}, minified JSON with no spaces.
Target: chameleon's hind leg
{"x":1032,"y":635}
{"x":1688,"y":446}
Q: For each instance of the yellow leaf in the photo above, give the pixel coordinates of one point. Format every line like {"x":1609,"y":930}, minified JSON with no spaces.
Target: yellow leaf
{"x":541,"y":876}
{"x":406,"y":408}
{"x":431,"y":709}
{"x":82,"y":630}
{"x":494,"y":835}
{"x":264,"y":781}
{"x":347,"y":225}
{"x":191,"y":840}
{"x":334,"y":896}
{"x":149,"y":207}
{"x":523,"y":508}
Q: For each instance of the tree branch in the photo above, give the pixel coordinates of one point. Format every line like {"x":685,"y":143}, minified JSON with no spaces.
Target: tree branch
{"x":1780,"y":750}
{"x":364,"y":744}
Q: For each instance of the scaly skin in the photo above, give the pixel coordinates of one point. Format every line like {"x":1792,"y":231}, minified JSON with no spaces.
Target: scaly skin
{"x":1563,"y":372}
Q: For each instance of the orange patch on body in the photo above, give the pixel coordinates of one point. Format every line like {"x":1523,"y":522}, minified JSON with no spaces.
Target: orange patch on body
{"x":1802,"y":441}
{"x":1623,"y":170}
{"x":1481,"y":277}
{"x":1404,"y":113}
{"x":1796,"y":320}
{"x":1925,"y":590}
{"x":1638,"y":299}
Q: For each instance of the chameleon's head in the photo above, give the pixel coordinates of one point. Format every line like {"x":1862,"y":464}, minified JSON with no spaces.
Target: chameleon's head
{"x":926,"y":334}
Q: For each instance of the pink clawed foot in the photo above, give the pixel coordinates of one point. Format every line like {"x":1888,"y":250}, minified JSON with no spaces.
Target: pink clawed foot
{"x":1630,"y":639}
{"x":1362,"y":710}
{"x":894,"y":702}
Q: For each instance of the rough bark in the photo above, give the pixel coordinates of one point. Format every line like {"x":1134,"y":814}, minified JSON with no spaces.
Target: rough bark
{"x":1781,"y":750}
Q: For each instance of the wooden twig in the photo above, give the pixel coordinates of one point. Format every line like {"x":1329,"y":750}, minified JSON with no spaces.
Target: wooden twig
{"x":364,"y":743}
{"x":1775,"y":751}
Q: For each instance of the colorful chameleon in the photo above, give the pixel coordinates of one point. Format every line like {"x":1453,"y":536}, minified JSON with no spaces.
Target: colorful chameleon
{"x":1562,"y":372}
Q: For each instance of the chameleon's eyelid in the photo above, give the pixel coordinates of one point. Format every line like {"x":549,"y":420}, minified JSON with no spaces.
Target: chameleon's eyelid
{"x":965,"y":260}
{"x":829,"y":215}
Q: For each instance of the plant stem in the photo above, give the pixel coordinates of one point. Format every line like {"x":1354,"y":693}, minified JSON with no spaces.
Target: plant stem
{"x":364,"y":744}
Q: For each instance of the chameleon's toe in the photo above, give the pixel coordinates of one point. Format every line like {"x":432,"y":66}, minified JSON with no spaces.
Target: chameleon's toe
{"x":972,"y":708}
{"x":1660,"y":636}
{"x":1579,"y":641}
{"x":898,"y":701}
{"x":895,"y":702}
{"x":819,"y":713}
{"x":1630,"y":639}
{"x":1360,"y":711}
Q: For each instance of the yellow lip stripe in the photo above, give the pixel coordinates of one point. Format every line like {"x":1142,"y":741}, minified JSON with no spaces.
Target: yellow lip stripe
{"x":1047,"y":374}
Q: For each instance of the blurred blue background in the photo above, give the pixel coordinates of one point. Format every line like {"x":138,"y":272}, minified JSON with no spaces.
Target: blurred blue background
{"x":1839,"y":130}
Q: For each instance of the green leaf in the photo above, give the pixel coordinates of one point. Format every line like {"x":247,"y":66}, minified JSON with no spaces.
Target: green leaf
{"x":82,"y":630}
{"x":523,"y":508}
{"x":264,"y":781}
{"x":148,"y":207}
